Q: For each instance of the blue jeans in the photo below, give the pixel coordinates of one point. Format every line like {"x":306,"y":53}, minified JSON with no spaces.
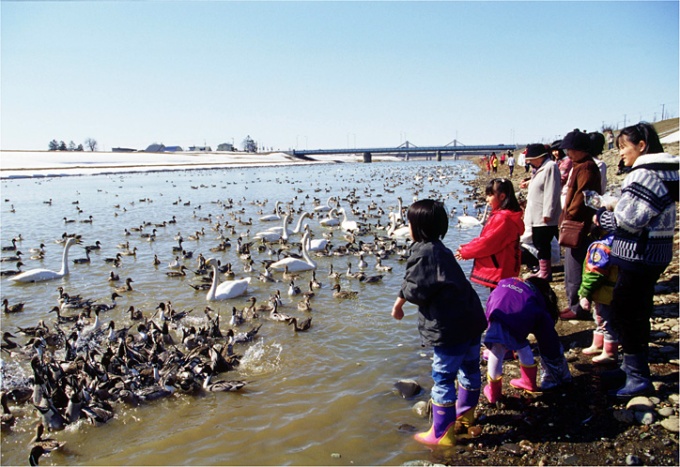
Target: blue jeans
{"x":459,"y":362}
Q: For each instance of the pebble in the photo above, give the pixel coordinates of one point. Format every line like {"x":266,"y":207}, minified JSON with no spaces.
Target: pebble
{"x":512,"y":448}
{"x":644,"y":418}
{"x":420,"y":408}
{"x":640,"y":403}
{"x":633,"y":460}
{"x":336,"y":455}
{"x":674,"y":398}
{"x":666,"y":411}
{"x":570,"y":459}
{"x":671,"y":424}
{"x":407,"y":388}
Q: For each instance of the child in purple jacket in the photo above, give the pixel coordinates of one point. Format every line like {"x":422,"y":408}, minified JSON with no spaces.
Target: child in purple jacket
{"x":515,"y":309}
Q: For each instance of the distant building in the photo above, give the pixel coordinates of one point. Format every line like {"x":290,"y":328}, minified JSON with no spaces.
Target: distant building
{"x":200,"y":149}
{"x":155,"y":148}
{"x":123,"y":150}
{"x":226,"y":147}
{"x":173,"y":149}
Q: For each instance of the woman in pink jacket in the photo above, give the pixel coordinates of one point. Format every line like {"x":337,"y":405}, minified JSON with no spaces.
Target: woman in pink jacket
{"x":496,"y":251}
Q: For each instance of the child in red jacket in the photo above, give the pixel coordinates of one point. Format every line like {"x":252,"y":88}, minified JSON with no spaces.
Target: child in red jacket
{"x":496,"y":251}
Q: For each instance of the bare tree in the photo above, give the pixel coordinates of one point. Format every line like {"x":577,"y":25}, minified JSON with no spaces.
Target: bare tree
{"x":91,"y":144}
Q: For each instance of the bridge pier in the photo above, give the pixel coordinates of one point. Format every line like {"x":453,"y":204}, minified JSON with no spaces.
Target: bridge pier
{"x":439,"y":156}
{"x":368,"y":158}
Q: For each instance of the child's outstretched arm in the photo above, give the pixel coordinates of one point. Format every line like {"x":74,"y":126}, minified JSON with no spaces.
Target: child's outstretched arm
{"x":397,"y":311}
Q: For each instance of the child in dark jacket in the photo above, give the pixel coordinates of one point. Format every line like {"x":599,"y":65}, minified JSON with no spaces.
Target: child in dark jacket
{"x":515,"y":309}
{"x":450,"y":319}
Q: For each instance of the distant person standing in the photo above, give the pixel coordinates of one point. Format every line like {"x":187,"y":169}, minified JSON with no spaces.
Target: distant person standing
{"x":543,"y":208}
{"x":503,"y":156}
{"x":610,"y":139}
{"x":585,"y":175}
{"x":511,"y":163}
{"x":494,"y":163}
{"x":596,"y":147}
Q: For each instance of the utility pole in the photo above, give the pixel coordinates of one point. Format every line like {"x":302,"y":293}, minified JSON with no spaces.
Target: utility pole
{"x":662,"y":111}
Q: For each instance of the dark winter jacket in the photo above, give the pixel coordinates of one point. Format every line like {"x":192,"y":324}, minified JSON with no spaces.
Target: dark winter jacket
{"x":449,"y":310}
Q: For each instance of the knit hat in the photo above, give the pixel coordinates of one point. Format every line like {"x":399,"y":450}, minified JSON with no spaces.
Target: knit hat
{"x":534,"y":151}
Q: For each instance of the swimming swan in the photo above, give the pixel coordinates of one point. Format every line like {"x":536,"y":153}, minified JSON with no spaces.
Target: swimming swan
{"x":39,"y":275}
{"x":225,"y":290}
{"x":295,"y":264}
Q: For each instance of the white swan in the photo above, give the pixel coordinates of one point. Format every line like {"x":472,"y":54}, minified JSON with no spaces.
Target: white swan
{"x":325,"y":208}
{"x":316,"y":244}
{"x":272,"y":217}
{"x":297,"y":228}
{"x":295,"y":264}
{"x":348,"y":225}
{"x":394,"y":232}
{"x":330,"y":220}
{"x":225,"y":290}
{"x":273,"y":234}
{"x":468,"y":221}
{"x":39,"y":275}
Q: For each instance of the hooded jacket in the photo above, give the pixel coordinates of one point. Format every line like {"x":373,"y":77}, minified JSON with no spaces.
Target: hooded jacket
{"x":496,"y":251}
{"x":643,"y":220}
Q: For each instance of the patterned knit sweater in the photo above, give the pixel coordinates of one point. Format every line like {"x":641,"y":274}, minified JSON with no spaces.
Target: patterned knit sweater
{"x":643,"y":221}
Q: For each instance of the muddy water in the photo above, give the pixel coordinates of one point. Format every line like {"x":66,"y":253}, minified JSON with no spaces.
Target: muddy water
{"x":320,"y":397}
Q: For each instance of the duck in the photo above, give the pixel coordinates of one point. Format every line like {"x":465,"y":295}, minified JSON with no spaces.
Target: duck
{"x":222,"y":386}
{"x":126,"y":288}
{"x":276,"y":315}
{"x":135,"y":315}
{"x":40,"y":250}
{"x":295,"y":264}
{"x":12,"y":272}
{"x":380,"y":267}
{"x":293,"y":289}
{"x":302,"y":325}
{"x":114,"y":260}
{"x":83,"y":260}
{"x":113,"y":277}
{"x":96,"y":246}
{"x":48,"y":444}
{"x":369,"y":279}
{"x":225,"y":290}
{"x":39,"y":275}
{"x":8,"y":419}
{"x":180,"y":273}
{"x":16,"y":308}
{"x":305,"y":305}
{"x":101,"y":307}
{"x":11,"y":248}
{"x":343,"y":294}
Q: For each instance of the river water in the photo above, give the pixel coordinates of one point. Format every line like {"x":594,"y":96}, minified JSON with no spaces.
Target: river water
{"x":323,"y":397}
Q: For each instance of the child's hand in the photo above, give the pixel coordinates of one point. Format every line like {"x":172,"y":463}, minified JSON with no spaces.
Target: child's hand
{"x":397,"y":312}
{"x":585,"y":303}
{"x":457,"y":255}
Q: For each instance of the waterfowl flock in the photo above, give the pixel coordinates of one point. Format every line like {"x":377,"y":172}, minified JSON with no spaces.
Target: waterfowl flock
{"x":80,"y":366}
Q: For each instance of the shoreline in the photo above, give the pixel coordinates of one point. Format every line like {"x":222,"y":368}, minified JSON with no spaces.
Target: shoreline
{"x":41,"y":164}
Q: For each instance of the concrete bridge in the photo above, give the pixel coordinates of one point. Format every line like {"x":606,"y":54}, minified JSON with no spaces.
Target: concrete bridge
{"x":408,"y":150}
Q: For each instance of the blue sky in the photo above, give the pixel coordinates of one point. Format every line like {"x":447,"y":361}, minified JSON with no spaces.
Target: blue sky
{"x":330,"y":74}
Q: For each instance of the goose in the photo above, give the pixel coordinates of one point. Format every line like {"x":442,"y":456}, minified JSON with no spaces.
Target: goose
{"x":295,"y":264}
{"x":12,"y":272}
{"x":343,"y":294}
{"x":331,"y":220}
{"x":38,"y":275}
{"x":272,"y":217}
{"x":225,"y":290}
